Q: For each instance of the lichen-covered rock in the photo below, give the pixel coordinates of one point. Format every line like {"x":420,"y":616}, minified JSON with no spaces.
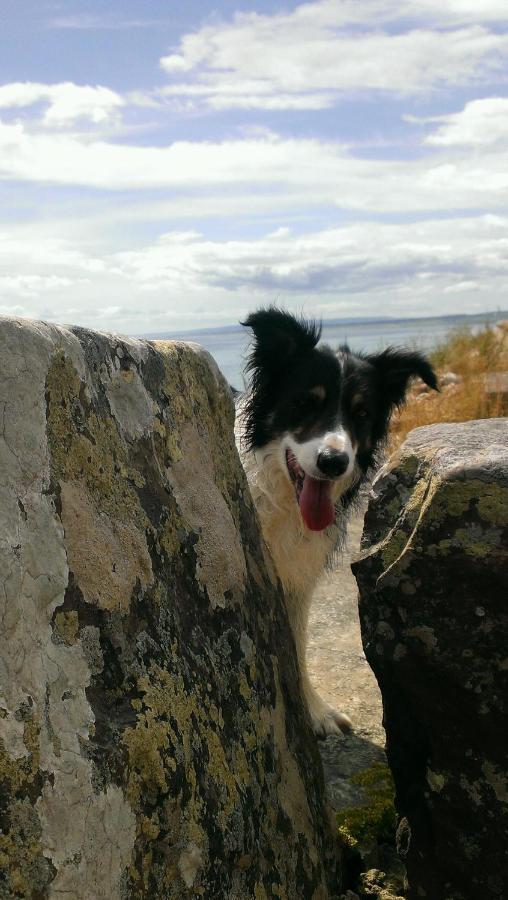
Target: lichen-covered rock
{"x":433,"y":581}
{"x":152,"y":738}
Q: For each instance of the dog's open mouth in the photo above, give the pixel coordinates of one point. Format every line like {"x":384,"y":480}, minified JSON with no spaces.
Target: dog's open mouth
{"x":313,"y":495}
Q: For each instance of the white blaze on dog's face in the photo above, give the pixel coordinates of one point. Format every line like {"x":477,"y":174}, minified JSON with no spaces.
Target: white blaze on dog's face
{"x":320,"y":469}
{"x":327,"y":411}
{"x":330,"y":455}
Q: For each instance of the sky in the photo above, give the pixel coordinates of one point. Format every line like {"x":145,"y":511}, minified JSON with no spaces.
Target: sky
{"x":168,"y":166}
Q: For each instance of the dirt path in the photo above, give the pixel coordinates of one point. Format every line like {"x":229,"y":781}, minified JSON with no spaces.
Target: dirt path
{"x":339,"y":671}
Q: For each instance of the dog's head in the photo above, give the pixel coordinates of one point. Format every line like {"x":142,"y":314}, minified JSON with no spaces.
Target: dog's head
{"x":329,"y":412}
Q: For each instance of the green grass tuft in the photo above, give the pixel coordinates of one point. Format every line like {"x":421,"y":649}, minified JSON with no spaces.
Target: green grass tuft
{"x":375,"y":822}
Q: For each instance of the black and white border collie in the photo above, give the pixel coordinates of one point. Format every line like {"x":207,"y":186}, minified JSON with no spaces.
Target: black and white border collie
{"x":311,"y":428}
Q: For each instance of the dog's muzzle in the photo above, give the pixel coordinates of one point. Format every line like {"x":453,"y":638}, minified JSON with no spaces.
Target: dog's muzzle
{"x":332,"y":463}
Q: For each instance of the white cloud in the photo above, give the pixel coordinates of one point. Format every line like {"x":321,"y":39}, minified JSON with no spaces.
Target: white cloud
{"x":459,"y":10}
{"x":479,"y":123}
{"x":360,"y":257}
{"x":231,"y":94}
{"x":322,"y":169}
{"x":31,"y":285}
{"x":462,"y":287}
{"x":87,"y":268}
{"x":186,"y":280}
{"x":88,"y":22}
{"x":227,"y":100}
{"x":334,"y":47}
{"x":66,"y":102}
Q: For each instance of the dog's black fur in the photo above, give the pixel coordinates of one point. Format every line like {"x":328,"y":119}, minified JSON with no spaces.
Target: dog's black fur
{"x":361,"y":390}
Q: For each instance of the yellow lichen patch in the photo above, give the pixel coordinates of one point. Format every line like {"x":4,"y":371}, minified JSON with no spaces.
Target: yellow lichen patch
{"x":290,"y":791}
{"x":251,"y":741}
{"x":192,"y":389}
{"x":107,"y":557}
{"x":393,"y":546}
{"x":147,"y":760}
{"x":152,"y":744}
{"x":169,"y":537}
{"x":406,"y":464}
{"x":66,"y":625}
{"x":166,"y":442}
{"x":157,"y":594}
{"x":493,"y":503}
{"x":150,"y":826}
{"x":435,"y":780}
{"x":166,"y":730}
{"x":63,"y":384}
{"x":241,"y":768}
{"x":481,"y":543}
{"x":196,"y":833}
{"x":89,"y":449}
{"x":22,"y":772}
{"x":215,"y":715}
{"x":244,"y":686}
{"x":22,"y":862}
{"x":21,"y":853}
{"x":437,"y":500}
{"x":226,"y":778}
{"x":454,"y":498}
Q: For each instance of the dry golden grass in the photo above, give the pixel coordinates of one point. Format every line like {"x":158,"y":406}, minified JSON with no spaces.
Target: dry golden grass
{"x":472,"y":357}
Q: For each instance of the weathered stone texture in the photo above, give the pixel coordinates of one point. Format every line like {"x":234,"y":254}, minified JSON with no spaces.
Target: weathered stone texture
{"x":152,"y":738}
{"x":433,"y":581}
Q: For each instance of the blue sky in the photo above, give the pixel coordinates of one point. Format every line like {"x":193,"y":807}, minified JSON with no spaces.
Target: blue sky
{"x":168,"y":166}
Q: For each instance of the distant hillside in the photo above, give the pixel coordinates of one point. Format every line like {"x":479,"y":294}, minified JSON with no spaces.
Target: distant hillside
{"x":459,"y":318}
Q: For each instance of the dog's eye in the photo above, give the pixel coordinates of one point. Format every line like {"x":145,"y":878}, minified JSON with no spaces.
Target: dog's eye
{"x":361,"y":412}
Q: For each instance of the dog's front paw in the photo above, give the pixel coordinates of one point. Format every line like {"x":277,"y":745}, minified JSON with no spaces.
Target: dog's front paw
{"x":326,"y":719}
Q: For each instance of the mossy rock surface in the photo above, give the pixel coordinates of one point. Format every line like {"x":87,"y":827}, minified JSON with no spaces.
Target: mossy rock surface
{"x":433,"y":580}
{"x":153,"y":741}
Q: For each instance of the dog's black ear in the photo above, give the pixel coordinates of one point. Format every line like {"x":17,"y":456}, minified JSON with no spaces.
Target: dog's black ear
{"x":396,"y":367}
{"x":279,"y":336}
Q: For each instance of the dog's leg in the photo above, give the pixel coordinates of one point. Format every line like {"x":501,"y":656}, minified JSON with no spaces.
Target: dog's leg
{"x":324,"y":717}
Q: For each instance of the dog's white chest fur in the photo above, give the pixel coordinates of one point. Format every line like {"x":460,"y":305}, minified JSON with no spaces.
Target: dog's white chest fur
{"x":300,"y":555}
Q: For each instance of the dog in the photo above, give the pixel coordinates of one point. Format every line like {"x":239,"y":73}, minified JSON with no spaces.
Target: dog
{"x":312,"y":426}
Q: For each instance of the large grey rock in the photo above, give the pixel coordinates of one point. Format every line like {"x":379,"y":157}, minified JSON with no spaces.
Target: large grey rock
{"x":152,"y":738}
{"x":433,"y":581}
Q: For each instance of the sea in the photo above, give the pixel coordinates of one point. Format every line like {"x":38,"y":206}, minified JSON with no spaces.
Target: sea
{"x":229,"y":345}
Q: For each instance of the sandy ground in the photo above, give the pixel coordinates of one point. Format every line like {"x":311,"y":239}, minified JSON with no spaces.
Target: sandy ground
{"x":340,"y":672}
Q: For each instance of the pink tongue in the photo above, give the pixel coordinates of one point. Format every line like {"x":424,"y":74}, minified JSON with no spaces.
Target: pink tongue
{"x":316,"y":504}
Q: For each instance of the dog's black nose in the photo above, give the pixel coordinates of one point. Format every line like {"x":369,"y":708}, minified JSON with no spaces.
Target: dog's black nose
{"x":332,"y":463}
